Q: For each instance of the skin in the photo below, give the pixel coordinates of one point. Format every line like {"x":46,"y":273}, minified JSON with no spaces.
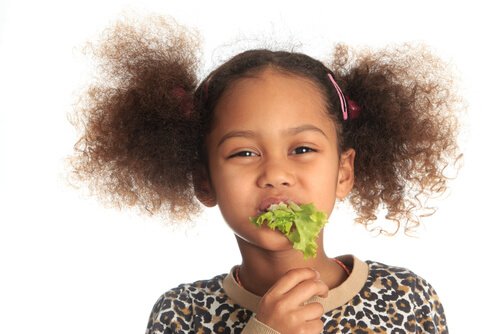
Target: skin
{"x":273,"y":140}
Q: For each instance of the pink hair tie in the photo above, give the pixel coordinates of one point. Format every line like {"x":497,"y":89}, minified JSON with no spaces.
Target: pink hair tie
{"x":354,"y":108}
{"x":347,"y":105}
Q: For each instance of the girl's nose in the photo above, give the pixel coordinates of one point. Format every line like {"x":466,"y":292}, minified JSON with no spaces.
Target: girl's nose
{"x":275,"y":175}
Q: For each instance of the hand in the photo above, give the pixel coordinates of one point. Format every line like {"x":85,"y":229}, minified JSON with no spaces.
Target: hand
{"x":282,"y":308}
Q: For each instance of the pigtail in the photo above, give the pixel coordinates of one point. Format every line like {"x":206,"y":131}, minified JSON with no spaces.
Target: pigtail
{"x":138,"y":146}
{"x":404,"y":135}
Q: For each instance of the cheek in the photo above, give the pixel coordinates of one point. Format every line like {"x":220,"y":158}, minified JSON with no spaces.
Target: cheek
{"x":321,"y":172}
{"x":226,"y":180}
{"x":323,"y":179}
{"x":232,"y":188}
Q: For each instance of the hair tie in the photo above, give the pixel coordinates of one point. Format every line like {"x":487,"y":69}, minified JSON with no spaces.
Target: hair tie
{"x":354,"y":108}
{"x":205,"y":89}
{"x":184,"y":100}
{"x":348,"y":106}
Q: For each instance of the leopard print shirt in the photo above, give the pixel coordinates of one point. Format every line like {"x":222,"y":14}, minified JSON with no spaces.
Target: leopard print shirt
{"x":391,"y":300}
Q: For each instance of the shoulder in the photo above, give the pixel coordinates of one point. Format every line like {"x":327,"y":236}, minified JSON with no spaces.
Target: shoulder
{"x":405,"y":292}
{"x":174,"y":310}
{"x":387,"y":277}
{"x":188,"y":293}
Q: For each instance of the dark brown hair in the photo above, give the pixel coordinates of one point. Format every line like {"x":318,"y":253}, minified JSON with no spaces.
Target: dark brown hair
{"x":145,"y":120}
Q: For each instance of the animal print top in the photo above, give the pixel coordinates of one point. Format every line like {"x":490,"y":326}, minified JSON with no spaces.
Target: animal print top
{"x":375,"y":298}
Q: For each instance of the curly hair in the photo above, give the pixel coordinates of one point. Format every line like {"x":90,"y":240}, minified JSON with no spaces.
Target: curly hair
{"x":139,"y":127}
{"x":146,"y":119}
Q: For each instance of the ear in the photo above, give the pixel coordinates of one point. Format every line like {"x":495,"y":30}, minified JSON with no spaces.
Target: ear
{"x":345,"y":181}
{"x":203,"y":187}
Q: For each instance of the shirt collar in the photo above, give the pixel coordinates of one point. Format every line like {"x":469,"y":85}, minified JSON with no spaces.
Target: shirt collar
{"x":337,"y":296}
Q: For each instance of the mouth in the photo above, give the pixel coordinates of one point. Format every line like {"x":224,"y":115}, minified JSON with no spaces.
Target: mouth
{"x":301,"y":224}
{"x":267,"y":202}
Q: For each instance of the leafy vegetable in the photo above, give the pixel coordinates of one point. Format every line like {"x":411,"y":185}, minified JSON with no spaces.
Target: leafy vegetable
{"x":300,"y":224}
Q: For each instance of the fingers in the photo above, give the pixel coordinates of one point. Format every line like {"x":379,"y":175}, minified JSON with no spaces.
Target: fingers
{"x":312,"y":311}
{"x":299,"y":285}
{"x":284,"y":307}
{"x":305,"y":290}
{"x":315,"y":326}
{"x":292,"y":278}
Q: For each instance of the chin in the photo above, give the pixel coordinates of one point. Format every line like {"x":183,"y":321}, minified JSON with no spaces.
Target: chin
{"x":270,"y":240}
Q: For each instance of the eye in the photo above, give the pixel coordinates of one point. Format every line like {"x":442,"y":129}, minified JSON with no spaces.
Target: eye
{"x":303,"y":149}
{"x":243,"y":154}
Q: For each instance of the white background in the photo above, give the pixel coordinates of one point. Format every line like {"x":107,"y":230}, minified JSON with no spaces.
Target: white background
{"x":69,"y":265}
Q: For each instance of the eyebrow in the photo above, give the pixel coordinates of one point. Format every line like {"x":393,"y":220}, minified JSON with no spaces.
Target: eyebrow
{"x":289,"y":132}
{"x":302,"y":128}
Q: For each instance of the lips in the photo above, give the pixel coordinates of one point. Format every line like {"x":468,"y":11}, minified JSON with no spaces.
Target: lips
{"x":267,"y":202}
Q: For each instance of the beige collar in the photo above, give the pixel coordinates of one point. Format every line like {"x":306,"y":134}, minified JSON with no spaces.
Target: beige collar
{"x":336,"y":297}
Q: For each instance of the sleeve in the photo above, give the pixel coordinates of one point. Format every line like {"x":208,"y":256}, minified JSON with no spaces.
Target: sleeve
{"x":429,"y":312}
{"x":172,"y":313}
{"x":254,"y":326}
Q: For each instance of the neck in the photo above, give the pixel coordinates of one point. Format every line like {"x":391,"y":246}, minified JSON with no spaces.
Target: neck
{"x":261,"y":268}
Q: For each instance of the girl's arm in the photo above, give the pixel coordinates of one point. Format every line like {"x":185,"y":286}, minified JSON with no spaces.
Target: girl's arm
{"x":172,"y":313}
{"x":428,"y":310}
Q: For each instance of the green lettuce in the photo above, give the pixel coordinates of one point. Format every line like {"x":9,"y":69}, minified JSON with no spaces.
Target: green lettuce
{"x":300,"y":224}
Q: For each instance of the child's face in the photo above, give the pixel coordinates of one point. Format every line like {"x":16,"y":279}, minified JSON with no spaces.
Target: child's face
{"x":272,"y":141}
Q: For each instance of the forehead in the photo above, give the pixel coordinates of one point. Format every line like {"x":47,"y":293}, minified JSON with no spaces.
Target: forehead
{"x":271,"y":92}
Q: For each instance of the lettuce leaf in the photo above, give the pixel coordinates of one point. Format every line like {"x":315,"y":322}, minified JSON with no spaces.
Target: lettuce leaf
{"x":300,"y":224}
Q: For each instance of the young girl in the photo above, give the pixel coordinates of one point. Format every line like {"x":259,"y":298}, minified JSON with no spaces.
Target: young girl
{"x":263,"y":128}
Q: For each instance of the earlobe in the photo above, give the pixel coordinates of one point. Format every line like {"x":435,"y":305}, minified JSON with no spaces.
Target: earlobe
{"x":203,"y":187}
{"x":345,"y":181}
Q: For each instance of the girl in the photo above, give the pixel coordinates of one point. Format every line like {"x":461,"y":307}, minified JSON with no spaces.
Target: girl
{"x":267,"y":127}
